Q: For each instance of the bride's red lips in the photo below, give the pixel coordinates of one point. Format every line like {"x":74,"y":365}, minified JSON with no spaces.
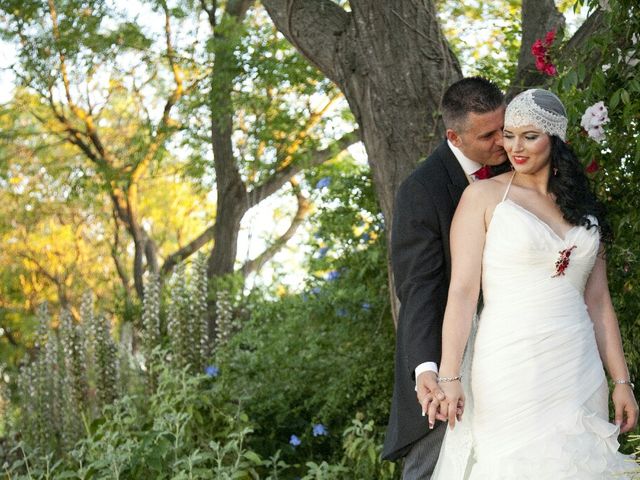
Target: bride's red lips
{"x":519,"y":160}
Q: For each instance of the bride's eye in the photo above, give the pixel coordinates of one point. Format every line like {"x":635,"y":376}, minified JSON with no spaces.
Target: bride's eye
{"x":531,"y":137}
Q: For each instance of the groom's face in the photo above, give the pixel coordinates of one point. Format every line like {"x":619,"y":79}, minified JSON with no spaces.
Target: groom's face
{"x":480,"y":137}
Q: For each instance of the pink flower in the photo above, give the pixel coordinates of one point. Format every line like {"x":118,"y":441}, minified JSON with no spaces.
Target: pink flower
{"x":592,"y":167}
{"x":593,"y":120}
{"x":550,"y":37}
{"x":540,"y":50}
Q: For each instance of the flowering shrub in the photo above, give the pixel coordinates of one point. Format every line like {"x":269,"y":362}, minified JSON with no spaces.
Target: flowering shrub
{"x":540,"y":50}
{"x":592,"y":120}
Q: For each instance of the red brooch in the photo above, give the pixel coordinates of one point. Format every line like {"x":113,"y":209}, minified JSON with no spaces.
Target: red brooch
{"x":563,"y":261}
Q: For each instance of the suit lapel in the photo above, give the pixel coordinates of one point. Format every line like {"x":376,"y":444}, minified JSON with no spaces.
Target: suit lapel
{"x":458,"y":180}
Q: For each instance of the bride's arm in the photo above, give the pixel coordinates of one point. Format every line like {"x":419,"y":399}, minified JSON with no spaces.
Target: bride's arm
{"x":609,"y":342}
{"x":467,"y":244}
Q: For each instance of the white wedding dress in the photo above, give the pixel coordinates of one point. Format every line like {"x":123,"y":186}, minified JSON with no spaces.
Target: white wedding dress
{"x":538,"y":406}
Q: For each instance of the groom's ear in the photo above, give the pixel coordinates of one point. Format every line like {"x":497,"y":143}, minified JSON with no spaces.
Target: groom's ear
{"x":453,"y":137}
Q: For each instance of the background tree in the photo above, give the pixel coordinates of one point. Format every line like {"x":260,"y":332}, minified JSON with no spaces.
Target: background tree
{"x":126,"y":98}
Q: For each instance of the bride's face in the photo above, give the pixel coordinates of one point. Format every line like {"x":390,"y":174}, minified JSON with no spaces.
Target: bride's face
{"x":528,"y":148}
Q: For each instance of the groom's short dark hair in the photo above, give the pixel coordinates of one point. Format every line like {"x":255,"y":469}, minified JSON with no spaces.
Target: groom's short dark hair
{"x":473,"y":94}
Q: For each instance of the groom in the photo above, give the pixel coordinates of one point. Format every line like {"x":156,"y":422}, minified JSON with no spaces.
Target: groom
{"x":472,"y":111}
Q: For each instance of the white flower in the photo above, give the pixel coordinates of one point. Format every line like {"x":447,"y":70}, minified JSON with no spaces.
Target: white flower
{"x":594,"y":117}
{"x":631,"y":60}
{"x":597,"y":133}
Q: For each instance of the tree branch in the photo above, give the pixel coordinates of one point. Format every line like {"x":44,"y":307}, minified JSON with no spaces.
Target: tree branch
{"x":210,"y":11}
{"x":591,"y":25}
{"x":238,"y":8}
{"x":6,"y":332}
{"x":185,"y":252}
{"x":304,"y":207}
{"x":58,"y":282}
{"x":166,"y":121}
{"x":120,"y":268}
{"x":82,"y":115}
{"x":313,"y":27}
{"x":277,"y":180}
{"x":313,"y":119}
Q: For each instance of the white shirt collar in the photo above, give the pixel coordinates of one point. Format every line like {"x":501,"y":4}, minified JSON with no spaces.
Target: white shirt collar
{"x":468,"y":165}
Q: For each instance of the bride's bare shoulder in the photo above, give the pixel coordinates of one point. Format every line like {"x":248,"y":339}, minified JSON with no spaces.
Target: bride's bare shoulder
{"x":489,"y":191}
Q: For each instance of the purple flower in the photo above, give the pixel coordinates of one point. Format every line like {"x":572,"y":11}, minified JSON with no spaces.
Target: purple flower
{"x":320,"y":430}
{"x":333,"y":275}
{"x":212,"y":371}
{"x":366,"y":306}
{"x":294,"y":441}
{"x":323,"y":182}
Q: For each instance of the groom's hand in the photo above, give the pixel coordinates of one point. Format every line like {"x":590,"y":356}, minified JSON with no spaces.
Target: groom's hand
{"x":429,"y":396}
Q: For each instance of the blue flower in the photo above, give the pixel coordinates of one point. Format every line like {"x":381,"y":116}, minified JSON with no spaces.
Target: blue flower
{"x":366,"y":306}
{"x":212,"y":371}
{"x":365,"y":237}
{"x":294,"y":441}
{"x":333,"y":275}
{"x":323,"y":252}
{"x":320,"y":430}
{"x":323,"y":182}
{"x":341,"y":312}
{"x":316,"y":290}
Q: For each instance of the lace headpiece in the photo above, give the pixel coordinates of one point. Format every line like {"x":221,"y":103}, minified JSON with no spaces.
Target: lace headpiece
{"x":539,"y":108}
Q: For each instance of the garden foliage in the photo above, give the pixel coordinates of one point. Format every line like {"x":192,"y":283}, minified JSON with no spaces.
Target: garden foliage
{"x":295,"y":386}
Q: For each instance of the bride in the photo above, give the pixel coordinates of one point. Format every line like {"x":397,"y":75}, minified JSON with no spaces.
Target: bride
{"x":536,"y":403}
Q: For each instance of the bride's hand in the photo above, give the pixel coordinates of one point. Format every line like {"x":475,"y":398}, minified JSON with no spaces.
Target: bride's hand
{"x":626,"y":407}
{"x":452,"y":407}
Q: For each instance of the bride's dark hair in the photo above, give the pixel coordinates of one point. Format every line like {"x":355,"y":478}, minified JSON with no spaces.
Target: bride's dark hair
{"x":574,"y":195}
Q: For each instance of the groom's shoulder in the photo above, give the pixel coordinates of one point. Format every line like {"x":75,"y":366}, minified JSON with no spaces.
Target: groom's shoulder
{"x":431,"y":169}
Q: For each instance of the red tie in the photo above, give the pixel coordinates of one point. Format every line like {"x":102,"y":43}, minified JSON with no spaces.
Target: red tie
{"x":482,"y":173}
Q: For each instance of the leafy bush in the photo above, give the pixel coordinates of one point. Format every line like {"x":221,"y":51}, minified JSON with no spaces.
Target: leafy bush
{"x":189,"y":429}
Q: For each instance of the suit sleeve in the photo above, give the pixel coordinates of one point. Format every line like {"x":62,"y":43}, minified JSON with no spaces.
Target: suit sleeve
{"x":419,"y":269}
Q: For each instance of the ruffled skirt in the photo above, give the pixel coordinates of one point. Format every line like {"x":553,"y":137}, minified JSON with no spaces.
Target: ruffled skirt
{"x":582,"y":446}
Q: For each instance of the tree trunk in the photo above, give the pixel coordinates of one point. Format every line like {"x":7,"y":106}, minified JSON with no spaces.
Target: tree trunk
{"x":538,"y":18}
{"x":393,"y":64}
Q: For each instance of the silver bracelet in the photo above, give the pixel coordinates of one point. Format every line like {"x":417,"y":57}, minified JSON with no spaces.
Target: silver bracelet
{"x":624,"y":382}
{"x":449,"y":379}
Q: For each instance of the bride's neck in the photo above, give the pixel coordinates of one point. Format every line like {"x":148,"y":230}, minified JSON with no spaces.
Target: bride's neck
{"x":537,"y":182}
